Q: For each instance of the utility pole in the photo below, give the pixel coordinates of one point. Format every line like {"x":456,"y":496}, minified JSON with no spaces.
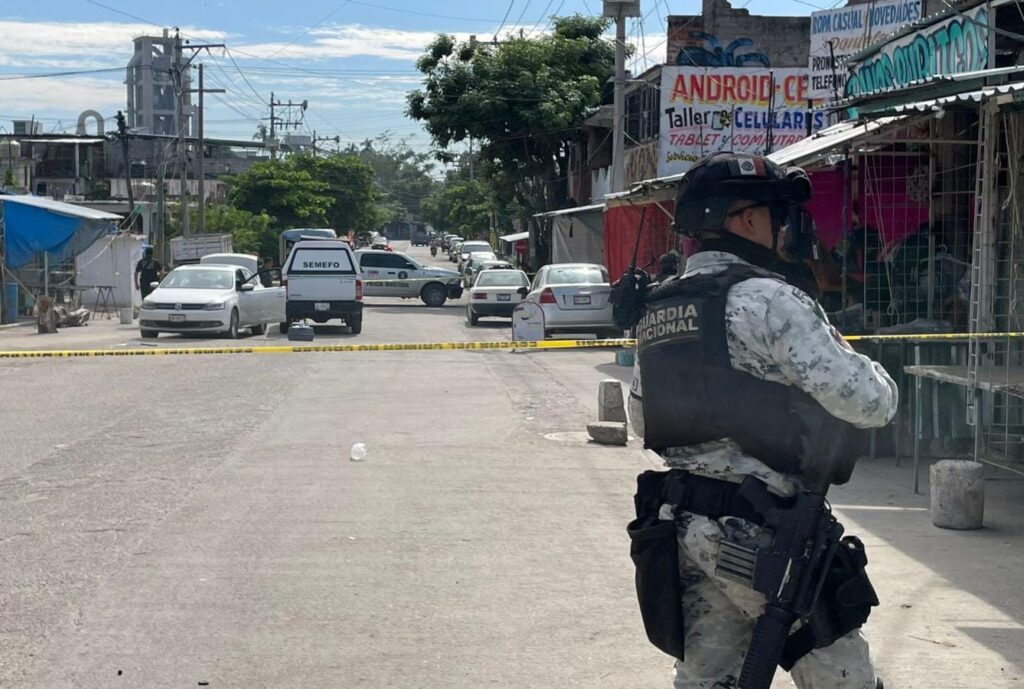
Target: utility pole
{"x":179,"y":67}
{"x":200,"y":158}
{"x":317,"y":139}
{"x":285,"y":121}
{"x":619,"y":10}
{"x":122,"y":135}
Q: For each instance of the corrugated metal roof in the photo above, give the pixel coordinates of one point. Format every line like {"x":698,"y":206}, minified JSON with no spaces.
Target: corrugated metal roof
{"x":960,"y":98}
{"x":518,"y":236}
{"x":59,"y":207}
{"x":820,"y":143}
{"x":77,"y":140}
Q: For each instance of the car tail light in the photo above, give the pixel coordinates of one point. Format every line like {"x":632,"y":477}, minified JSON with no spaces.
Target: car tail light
{"x":480,"y":295}
{"x":547,"y":296}
{"x":359,"y":289}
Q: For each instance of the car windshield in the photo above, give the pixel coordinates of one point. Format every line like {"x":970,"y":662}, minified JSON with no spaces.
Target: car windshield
{"x":502,"y":278}
{"x":576,"y":275}
{"x":199,"y":279}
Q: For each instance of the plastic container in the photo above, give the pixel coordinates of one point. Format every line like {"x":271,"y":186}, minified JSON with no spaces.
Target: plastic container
{"x":358,"y":452}
{"x":126,"y":316}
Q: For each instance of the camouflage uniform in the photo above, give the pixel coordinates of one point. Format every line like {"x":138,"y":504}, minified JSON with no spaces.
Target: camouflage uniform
{"x":777,"y":333}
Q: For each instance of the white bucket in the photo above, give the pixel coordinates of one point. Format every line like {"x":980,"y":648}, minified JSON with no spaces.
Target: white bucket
{"x":125,"y":316}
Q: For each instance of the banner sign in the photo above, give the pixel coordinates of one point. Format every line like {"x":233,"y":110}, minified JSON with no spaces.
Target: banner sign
{"x":711,"y":109}
{"x":953,"y":46}
{"x":837,"y":35}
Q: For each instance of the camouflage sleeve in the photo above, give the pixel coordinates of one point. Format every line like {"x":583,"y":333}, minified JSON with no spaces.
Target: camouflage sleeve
{"x":812,"y":355}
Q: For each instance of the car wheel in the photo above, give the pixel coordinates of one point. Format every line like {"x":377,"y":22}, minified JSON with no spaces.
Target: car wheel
{"x":150,"y":333}
{"x":471,"y":317}
{"x":232,"y":331}
{"x":434,"y":295}
{"x":356,"y":325}
{"x":283,"y":325}
{"x":258,"y":329}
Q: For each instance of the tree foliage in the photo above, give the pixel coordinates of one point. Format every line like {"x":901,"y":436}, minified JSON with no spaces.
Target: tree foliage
{"x":523,"y":100}
{"x":251,"y":233}
{"x":403,"y":175}
{"x":291,"y":196}
{"x":462,"y":206}
{"x":308,"y":191}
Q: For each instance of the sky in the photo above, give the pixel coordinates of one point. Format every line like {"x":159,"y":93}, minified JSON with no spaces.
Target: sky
{"x":352,"y":60}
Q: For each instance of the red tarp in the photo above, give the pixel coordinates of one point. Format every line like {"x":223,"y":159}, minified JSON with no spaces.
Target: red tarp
{"x":621,"y":223}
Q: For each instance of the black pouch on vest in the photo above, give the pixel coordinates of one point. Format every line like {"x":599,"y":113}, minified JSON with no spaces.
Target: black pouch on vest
{"x":844,"y":604}
{"x":655,"y":553}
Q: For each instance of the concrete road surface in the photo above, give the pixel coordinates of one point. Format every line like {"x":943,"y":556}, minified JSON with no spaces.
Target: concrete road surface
{"x":171,"y":521}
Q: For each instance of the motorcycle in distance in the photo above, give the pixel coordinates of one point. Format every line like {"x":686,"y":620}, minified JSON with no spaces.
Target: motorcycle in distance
{"x":433,"y":248}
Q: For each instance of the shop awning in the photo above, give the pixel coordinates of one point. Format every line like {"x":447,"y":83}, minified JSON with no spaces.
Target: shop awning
{"x":961,"y":98}
{"x":571,"y":211}
{"x":518,"y":236}
{"x":36,"y":223}
{"x":820,"y":144}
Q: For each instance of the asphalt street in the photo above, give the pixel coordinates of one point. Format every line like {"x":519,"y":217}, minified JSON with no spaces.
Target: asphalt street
{"x":170,"y":521}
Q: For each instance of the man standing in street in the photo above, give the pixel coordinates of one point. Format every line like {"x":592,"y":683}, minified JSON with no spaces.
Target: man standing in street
{"x":147,"y":271}
{"x":737,"y":373}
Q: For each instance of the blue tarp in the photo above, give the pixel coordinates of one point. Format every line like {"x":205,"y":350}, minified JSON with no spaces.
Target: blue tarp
{"x":32,"y":224}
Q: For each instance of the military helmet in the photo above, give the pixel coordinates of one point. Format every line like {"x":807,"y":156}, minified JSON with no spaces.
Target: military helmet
{"x":713,"y":183}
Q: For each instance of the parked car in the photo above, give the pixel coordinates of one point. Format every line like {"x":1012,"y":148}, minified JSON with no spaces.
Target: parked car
{"x":491,"y":264}
{"x":322,"y":282}
{"x":446,"y":240}
{"x":470,"y":247}
{"x":575,"y":297}
{"x":394,"y":274}
{"x":380,"y":242}
{"x":210,"y":298}
{"x":474,"y":259}
{"x":496,"y":293}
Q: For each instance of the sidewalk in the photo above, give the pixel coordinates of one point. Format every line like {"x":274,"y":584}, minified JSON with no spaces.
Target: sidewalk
{"x":952,"y":612}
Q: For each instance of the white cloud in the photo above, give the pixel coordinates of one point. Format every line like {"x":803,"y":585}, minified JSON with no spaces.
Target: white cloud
{"x":350,"y":41}
{"x":64,"y":97}
{"x":57,"y":44}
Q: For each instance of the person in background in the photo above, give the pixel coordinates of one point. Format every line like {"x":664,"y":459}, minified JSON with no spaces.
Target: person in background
{"x":266,"y":272}
{"x":147,"y":271}
{"x":668,"y":267}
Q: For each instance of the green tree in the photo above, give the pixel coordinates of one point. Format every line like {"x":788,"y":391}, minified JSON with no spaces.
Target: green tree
{"x":251,"y":233}
{"x":462,"y":206}
{"x":293,"y":197}
{"x":403,"y":175}
{"x":349,"y":184}
{"x":523,"y":100}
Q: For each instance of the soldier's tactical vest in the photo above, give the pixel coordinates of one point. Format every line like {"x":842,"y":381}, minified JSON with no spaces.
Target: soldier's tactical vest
{"x":692,"y":394}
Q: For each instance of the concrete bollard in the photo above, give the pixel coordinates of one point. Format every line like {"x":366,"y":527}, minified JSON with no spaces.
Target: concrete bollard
{"x":608,"y":432}
{"x":610,"y":406}
{"x":957,"y":494}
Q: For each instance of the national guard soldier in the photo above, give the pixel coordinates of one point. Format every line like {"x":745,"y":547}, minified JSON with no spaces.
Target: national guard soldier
{"x":741,"y":382}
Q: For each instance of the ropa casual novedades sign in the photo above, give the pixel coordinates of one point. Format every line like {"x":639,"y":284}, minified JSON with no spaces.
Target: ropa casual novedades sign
{"x":837,"y":35}
{"x":953,"y":46}
{"x":706,"y":110}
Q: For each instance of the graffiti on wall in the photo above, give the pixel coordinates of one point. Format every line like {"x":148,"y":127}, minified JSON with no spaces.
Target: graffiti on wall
{"x":953,"y":46}
{"x":641,"y":163}
{"x":710,"y":53}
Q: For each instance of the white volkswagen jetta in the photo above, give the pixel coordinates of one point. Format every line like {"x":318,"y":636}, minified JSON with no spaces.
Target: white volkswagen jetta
{"x":575,"y":297}
{"x":209,"y":299}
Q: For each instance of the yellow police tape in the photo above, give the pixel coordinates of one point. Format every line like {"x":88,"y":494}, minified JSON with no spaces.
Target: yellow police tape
{"x":422,"y":346}
{"x":298,"y":349}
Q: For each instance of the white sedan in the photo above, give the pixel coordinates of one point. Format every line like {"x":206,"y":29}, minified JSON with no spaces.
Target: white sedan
{"x":210,"y":299}
{"x":496,"y":292}
{"x":575,"y":297}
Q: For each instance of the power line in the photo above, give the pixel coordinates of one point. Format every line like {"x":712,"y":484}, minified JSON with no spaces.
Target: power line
{"x":421,"y":14}
{"x":543,"y":15}
{"x":242,"y":74}
{"x":519,"y":19}
{"x":319,"y":23}
{"x":504,"y":19}
{"x":46,"y":75}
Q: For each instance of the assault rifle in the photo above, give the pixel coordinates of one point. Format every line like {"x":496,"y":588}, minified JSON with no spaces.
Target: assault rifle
{"x":628,"y":293}
{"x":792,"y":569}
